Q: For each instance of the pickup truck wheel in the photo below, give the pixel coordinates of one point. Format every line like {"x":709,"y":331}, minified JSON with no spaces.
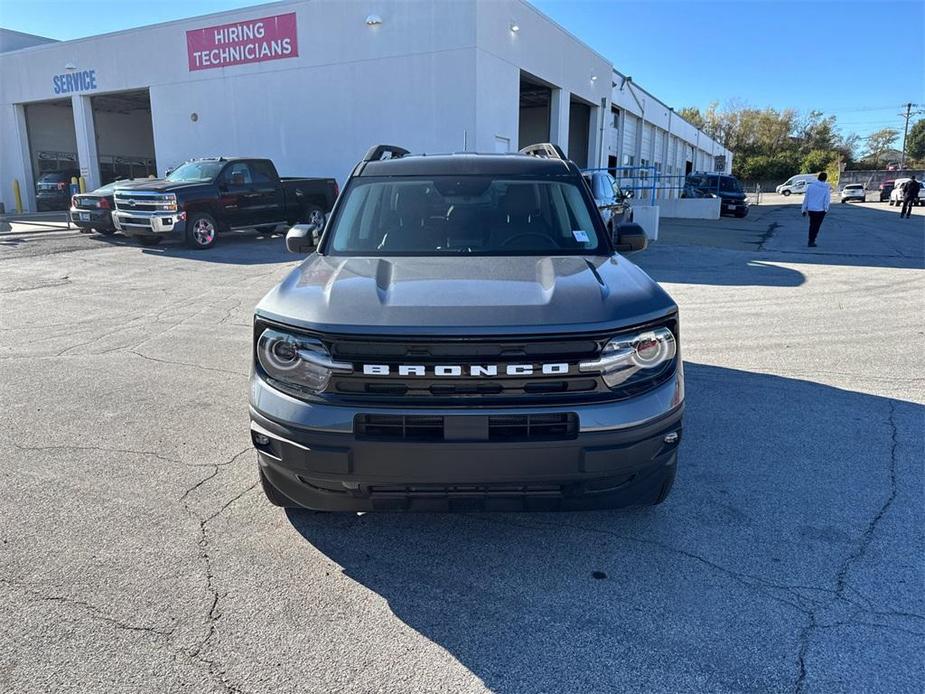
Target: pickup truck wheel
{"x":149,"y":240}
{"x":314,"y":215}
{"x":201,"y":231}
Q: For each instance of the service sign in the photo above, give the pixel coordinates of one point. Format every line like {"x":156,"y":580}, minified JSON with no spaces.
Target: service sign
{"x":82,"y":81}
{"x":251,"y":41}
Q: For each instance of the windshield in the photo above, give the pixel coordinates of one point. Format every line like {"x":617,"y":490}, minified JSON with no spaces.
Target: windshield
{"x":453,"y":215}
{"x":196,"y":171}
{"x":55,"y":177}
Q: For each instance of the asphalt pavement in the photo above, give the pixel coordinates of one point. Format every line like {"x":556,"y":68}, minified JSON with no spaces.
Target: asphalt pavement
{"x":137,"y":553}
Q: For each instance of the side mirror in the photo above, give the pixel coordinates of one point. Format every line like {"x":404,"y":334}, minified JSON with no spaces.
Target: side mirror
{"x":630,"y":237}
{"x":302,"y":238}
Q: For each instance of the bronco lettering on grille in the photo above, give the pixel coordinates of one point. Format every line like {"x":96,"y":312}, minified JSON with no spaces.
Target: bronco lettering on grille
{"x":459,"y":371}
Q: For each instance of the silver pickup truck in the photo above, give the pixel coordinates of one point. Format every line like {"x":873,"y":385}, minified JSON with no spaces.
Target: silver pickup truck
{"x":465,"y":334}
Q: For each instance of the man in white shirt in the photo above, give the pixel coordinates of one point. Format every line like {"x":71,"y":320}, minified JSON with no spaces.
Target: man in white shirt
{"x":816,"y":204}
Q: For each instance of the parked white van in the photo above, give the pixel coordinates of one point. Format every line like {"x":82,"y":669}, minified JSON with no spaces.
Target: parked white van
{"x":796,"y":184}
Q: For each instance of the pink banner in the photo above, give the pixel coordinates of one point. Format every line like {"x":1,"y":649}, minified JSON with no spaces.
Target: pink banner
{"x":250,"y":41}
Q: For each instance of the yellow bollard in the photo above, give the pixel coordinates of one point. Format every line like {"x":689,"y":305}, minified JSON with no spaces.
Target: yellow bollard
{"x":83,"y":185}
{"x":17,"y":196}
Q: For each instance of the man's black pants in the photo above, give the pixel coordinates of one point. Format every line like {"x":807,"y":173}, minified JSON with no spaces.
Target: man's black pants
{"x":815,"y":221}
{"x":907,"y":207}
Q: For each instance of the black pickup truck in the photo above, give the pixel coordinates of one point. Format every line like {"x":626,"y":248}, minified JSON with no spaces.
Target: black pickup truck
{"x":204,"y":197}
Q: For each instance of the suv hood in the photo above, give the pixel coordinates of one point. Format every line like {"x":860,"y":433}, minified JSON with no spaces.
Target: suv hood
{"x":497,"y":295}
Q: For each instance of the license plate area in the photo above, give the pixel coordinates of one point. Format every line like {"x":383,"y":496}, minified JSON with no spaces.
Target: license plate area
{"x":84,"y":216}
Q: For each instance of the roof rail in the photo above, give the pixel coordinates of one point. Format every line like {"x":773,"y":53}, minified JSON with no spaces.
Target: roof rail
{"x":376,"y":153}
{"x":545,"y":150}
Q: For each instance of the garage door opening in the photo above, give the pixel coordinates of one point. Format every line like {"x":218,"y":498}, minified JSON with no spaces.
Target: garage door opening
{"x":535,"y":108}
{"x":579,"y":132}
{"x":52,"y":151}
{"x":124,"y":135}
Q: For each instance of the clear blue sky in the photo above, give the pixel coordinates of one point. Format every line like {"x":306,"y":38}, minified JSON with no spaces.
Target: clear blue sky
{"x":781,"y":54}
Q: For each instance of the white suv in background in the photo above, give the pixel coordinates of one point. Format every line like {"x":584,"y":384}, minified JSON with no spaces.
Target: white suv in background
{"x":853,"y":191}
{"x":896,"y":195}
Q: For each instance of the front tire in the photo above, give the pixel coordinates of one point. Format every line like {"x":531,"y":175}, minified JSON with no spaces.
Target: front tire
{"x":201,"y":230}
{"x":314,"y":215}
{"x":786,"y":193}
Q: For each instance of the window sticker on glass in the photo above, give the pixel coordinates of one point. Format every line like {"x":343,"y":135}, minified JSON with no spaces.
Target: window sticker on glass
{"x":581,"y":236}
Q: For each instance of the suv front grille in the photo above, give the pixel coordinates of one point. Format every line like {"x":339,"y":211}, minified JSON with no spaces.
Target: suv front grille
{"x":557,"y":426}
{"x":464,"y":354}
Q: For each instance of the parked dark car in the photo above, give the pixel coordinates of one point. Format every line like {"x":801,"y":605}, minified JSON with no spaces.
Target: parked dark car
{"x":610,"y":200}
{"x":885,"y":189}
{"x":724,"y":186}
{"x":204,"y":197}
{"x":93,"y":211}
{"x":53,"y":190}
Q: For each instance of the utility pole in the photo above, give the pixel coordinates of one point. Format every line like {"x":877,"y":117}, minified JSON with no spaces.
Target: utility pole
{"x":907,"y":115}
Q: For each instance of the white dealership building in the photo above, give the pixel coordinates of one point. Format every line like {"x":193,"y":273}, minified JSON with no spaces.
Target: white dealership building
{"x":312,"y":84}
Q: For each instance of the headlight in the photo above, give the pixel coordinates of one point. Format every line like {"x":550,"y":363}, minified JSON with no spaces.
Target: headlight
{"x":167,"y":202}
{"x":297,"y":362}
{"x":631,"y":359}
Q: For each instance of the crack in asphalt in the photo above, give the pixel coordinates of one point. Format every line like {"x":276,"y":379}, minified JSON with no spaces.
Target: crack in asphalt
{"x":94,"y":611}
{"x":98,"y":449}
{"x":62,"y":281}
{"x":183,"y":363}
{"x":841,"y":577}
{"x":213,"y":614}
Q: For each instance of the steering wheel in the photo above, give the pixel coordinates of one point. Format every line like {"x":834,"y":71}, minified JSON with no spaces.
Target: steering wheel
{"x":531,"y":234}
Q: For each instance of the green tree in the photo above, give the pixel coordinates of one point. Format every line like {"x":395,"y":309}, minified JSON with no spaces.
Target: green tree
{"x":915,"y":141}
{"x":818,"y":160}
{"x":879,"y":142}
{"x":692,"y":115}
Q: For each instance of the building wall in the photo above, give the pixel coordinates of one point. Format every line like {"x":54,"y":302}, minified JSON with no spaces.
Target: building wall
{"x":433,"y":76}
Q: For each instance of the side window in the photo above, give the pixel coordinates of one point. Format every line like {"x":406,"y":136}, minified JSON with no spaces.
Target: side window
{"x":238,"y":174}
{"x":262,"y":171}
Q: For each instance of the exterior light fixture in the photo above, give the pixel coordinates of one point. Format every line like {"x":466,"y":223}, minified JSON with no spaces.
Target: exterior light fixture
{"x":515,"y":27}
{"x":373,"y":20}
{"x":594,"y":78}
{"x":70,"y":66}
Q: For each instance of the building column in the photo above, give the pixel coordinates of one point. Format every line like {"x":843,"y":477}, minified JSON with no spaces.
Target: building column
{"x":597,"y":157}
{"x":85,"y":131}
{"x":558,"y":118}
{"x":27,"y":179}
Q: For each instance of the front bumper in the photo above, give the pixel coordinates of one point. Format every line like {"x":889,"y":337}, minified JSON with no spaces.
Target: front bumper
{"x":149,"y":223}
{"x":95,"y":219}
{"x":620,"y":456}
{"x":734,"y":207}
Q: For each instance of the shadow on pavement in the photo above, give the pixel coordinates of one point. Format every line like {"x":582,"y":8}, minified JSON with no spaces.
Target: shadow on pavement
{"x":709,"y":592}
{"x":236,"y":248}
{"x":758,"y":249}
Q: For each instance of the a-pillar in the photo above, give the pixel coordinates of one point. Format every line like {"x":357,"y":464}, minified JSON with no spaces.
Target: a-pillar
{"x":85,"y":131}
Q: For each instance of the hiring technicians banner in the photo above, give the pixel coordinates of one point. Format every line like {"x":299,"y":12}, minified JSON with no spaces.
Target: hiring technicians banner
{"x":251,"y":41}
